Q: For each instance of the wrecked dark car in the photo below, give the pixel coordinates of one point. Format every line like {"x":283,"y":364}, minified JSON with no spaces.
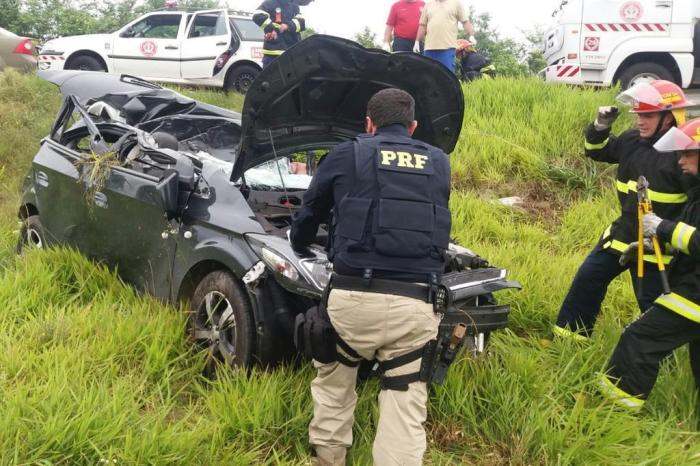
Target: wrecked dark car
{"x":193,"y":203}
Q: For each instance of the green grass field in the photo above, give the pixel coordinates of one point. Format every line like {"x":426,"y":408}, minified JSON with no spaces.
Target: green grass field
{"x":91,"y":373}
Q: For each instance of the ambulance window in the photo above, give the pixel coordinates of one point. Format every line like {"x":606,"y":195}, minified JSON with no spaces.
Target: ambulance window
{"x":210,"y":24}
{"x":155,"y":27}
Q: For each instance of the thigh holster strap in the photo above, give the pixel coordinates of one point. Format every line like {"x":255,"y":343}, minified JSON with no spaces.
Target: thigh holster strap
{"x":399,"y":382}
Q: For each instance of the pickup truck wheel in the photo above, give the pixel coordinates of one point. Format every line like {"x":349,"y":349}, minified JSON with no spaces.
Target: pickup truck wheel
{"x":85,"y":63}
{"x":220,"y":322}
{"x":31,"y":234}
{"x":643,"y":72}
{"x":241,"y":78}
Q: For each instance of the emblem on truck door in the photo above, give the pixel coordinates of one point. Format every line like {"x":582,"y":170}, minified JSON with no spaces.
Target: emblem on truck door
{"x":591,"y":44}
{"x":148,"y":48}
{"x":631,"y":11}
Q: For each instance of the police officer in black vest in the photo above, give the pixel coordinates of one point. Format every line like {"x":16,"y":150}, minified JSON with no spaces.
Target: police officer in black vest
{"x":391,"y":224}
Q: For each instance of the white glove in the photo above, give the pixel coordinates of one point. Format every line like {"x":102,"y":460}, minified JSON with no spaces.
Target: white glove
{"x":629,"y":254}
{"x":386,"y":47}
{"x":472,"y":39}
{"x":650,"y":223}
{"x":416,"y":47}
{"x":606,"y":117}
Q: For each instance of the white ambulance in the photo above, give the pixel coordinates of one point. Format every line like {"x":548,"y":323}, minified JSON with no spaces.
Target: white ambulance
{"x":604,"y":42}
{"x":218,"y":48}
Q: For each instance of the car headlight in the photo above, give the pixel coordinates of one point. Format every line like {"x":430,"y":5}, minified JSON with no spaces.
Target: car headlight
{"x":318,"y":270}
{"x":279,"y":264}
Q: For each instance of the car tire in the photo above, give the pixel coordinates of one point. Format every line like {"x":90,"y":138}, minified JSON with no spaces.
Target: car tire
{"x":643,"y":71}
{"x":85,"y":63}
{"x":241,"y":78}
{"x":31,"y":234}
{"x":220,"y":322}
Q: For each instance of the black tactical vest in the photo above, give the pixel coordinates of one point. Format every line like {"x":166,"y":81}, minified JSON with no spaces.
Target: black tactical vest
{"x":396,"y":216}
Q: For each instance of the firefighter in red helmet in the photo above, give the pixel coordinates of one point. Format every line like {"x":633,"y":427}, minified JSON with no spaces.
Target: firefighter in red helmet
{"x":674,"y":318}
{"x":659,"y":106}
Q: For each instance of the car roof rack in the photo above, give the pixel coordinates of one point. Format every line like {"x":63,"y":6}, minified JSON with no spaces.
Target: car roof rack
{"x":195,"y":10}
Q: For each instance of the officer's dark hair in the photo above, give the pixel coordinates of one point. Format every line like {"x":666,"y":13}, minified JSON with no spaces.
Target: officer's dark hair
{"x":391,"y":106}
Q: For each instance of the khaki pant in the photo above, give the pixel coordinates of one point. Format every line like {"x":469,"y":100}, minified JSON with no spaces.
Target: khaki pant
{"x":382,"y":327}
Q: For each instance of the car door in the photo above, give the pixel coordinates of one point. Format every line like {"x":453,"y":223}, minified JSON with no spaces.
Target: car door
{"x":608,"y":24}
{"x":131,"y":230}
{"x":60,"y":198}
{"x":208,"y":36}
{"x":150,"y":47}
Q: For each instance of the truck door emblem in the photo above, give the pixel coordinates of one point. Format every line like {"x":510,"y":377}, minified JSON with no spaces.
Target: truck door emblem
{"x":591,"y":44}
{"x":149,"y":48}
{"x":631,"y":11}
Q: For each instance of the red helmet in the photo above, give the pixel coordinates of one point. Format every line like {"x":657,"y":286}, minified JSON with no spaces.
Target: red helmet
{"x":657,"y":96}
{"x":685,"y":137}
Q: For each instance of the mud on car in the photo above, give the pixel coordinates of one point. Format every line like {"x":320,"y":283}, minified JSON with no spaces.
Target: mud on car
{"x":193,"y":203}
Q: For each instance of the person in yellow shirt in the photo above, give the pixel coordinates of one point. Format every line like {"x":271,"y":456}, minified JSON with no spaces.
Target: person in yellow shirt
{"x":439,"y":26}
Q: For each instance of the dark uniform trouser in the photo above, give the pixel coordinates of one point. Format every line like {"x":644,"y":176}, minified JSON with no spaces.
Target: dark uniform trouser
{"x":646,"y":343}
{"x":582,"y":304}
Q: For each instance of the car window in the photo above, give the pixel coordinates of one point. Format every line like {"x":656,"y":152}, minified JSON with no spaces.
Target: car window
{"x":247,"y":29}
{"x":155,"y":27}
{"x":209,"y":24}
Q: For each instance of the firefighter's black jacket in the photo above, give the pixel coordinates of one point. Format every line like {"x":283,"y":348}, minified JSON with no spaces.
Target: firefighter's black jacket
{"x":270,"y":15}
{"x":635,"y":157}
{"x":684,"y":276}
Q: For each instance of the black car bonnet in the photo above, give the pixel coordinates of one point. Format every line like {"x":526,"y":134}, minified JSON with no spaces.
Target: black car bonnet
{"x":315,"y":95}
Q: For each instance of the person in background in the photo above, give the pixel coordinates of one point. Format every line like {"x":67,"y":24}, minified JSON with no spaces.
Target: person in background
{"x":439,"y":27}
{"x":402,"y":26}
{"x":472,"y":64}
{"x":282,"y":23}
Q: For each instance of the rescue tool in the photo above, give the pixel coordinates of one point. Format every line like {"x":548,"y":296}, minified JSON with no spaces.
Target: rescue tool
{"x":644,"y":207}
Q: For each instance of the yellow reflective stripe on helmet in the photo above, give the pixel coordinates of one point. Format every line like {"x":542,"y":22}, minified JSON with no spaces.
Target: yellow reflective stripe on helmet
{"x":273,"y":53}
{"x":666,"y":198}
{"x":590,"y":146}
{"x":681,"y":237}
{"x":680,"y":305}
{"x":297,"y":24}
{"x":566,"y":333}
{"x":619,"y":246}
{"x":619,"y":396}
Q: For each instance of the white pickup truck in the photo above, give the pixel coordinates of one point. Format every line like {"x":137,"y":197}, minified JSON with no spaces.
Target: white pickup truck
{"x":604,"y":42}
{"x":220,"y":48}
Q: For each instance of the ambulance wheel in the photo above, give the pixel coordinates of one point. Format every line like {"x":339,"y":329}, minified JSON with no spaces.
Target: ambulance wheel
{"x":85,"y":63}
{"x":241,"y":78}
{"x":643,"y":72}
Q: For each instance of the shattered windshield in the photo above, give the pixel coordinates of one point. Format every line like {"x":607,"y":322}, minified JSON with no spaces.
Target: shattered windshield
{"x":266,"y":177}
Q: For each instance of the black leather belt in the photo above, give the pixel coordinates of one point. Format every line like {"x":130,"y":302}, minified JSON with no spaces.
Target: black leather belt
{"x":378,"y":285}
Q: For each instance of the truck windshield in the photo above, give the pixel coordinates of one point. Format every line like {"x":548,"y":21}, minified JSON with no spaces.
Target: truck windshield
{"x":248,"y":30}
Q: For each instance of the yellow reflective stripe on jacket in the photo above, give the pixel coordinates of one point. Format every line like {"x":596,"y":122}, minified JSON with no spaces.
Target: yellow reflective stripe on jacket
{"x":273,"y":53}
{"x":590,"y":146}
{"x":297,"y":24}
{"x":680,"y":305}
{"x":619,"y":396}
{"x":619,"y":246}
{"x":566,"y":333}
{"x":666,"y":198}
{"x":681,"y":237}
{"x":266,"y":23}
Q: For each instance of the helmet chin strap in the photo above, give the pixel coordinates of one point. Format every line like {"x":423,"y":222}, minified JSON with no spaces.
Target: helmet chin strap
{"x":660,"y":125}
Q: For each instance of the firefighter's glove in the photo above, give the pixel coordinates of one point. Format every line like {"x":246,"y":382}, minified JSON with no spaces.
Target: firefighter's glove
{"x":386,"y":47}
{"x":416,"y":47}
{"x":650,"y":223}
{"x":629,"y":255}
{"x":606,"y":117}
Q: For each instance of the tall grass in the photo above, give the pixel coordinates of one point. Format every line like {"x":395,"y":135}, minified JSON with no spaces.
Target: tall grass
{"x":92,"y":373}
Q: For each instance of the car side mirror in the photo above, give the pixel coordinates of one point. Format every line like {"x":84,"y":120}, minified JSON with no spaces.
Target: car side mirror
{"x":167,"y":191}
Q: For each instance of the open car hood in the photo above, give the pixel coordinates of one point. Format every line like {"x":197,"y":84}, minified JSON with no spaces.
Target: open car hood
{"x":315,"y":95}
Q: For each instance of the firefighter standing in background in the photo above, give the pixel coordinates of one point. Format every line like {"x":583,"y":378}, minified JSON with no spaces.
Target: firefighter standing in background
{"x":391,"y":226}
{"x":659,"y":105}
{"x":472,"y":64}
{"x":282,"y":23}
{"x":674,"y":318}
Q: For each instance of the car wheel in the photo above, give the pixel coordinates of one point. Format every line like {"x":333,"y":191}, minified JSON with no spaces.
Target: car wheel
{"x":31,"y":234}
{"x":643,"y":72}
{"x":241,"y":78}
{"x":220,"y":322}
{"x":85,"y":63}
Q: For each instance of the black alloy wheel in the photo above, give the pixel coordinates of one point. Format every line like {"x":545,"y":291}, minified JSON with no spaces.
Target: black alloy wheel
{"x":220,"y":322}
{"x":241,"y":78}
